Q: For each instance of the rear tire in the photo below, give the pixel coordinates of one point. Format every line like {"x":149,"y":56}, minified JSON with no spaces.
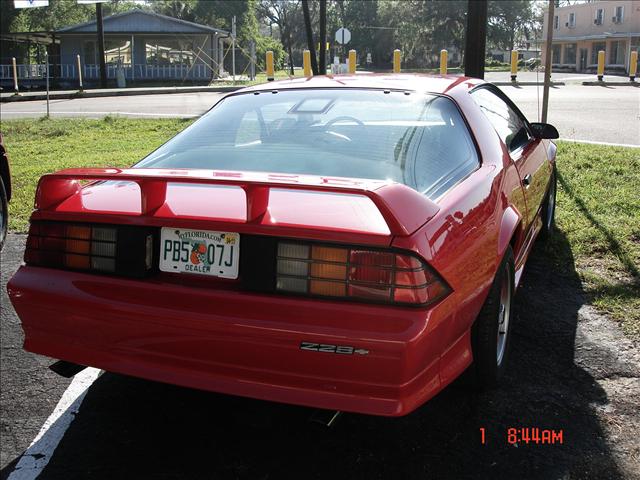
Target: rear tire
{"x":491,"y":331}
{"x":4,"y":213}
{"x":549,"y":208}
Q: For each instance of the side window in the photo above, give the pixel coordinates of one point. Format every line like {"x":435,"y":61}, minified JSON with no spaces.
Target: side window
{"x":444,"y":151}
{"x":511,"y":127}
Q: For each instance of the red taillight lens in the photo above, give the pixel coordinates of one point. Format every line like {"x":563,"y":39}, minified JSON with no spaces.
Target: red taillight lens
{"x":356,"y":273}
{"x":73,"y":246}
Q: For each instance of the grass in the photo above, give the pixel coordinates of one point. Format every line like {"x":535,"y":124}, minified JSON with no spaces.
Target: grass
{"x":41,"y":146}
{"x":598,"y":211}
{"x":598,"y":202}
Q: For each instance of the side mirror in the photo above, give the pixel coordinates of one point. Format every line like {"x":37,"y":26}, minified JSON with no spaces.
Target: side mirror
{"x":544,"y":130}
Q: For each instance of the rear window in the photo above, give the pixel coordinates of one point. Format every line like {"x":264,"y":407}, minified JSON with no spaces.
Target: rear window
{"x":416,"y":139}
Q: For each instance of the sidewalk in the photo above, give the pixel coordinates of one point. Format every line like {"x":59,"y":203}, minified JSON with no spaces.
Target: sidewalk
{"x":111,"y":92}
{"x":525,"y":78}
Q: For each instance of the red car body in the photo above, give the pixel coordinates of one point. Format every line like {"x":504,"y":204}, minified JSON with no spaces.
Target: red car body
{"x":214,"y":335}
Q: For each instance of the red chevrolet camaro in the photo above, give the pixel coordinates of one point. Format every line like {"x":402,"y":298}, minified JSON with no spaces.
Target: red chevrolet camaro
{"x":349,"y":243}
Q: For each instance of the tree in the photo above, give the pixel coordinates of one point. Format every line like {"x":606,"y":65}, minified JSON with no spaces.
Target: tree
{"x":422,"y":28}
{"x":182,"y":9}
{"x":281,"y":13}
{"x":509,"y":21}
{"x":309,"y":34}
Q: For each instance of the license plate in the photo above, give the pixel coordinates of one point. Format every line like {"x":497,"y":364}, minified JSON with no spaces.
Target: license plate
{"x":201,"y":252}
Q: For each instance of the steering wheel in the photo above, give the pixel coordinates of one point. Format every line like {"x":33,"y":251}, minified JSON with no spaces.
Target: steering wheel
{"x":341,"y":118}
{"x":340,"y":136}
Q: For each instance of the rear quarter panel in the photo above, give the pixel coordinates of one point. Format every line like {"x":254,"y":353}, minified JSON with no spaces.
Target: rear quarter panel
{"x":462,"y":242}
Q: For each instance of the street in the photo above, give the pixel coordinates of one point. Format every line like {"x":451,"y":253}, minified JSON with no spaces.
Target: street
{"x":593,"y":113}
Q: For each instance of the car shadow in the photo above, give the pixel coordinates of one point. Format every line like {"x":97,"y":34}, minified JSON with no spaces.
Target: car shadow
{"x":131,"y":428}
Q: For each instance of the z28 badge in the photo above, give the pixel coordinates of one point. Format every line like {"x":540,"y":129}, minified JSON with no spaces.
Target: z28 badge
{"x":326,"y":348}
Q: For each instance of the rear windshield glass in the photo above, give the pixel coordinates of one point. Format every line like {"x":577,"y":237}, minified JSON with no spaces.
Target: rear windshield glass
{"x":416,"y":139}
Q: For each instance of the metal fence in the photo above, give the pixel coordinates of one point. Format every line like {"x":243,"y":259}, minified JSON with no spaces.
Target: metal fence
{"x":197,"y":71}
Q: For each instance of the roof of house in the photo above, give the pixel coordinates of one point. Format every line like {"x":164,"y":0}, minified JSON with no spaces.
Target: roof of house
{"x":141,"y":21}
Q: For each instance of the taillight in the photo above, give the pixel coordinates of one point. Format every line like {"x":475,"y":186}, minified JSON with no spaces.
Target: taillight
{"x":357,"y":273}
{"x":82,"y":246}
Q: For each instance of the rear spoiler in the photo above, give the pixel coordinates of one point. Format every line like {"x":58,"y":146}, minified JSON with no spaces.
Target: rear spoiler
{"x":403,"y":209}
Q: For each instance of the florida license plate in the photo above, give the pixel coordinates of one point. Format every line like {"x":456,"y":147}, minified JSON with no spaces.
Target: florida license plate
{"x":201,"y":252}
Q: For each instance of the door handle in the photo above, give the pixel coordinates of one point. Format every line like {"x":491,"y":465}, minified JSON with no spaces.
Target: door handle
{"x":526,"y":181}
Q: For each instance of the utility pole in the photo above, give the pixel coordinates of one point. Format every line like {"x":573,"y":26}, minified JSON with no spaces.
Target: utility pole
{"x":323,"y":37}
{"x":103,"y":65}
{"x":309,"y":32}
{"x":476,"y":38}
{"x":547,"y":63}
{"x":233,"y":48}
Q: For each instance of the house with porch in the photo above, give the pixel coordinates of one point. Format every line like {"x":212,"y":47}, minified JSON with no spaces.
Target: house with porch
{"x":581,"y":30}
{"x":145,"y":46}
{"x":140,"y":45}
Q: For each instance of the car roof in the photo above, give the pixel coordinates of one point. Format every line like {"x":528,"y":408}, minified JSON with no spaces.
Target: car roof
{"x":393,"y":81}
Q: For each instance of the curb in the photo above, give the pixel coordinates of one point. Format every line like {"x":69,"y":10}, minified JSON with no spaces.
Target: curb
{"x":614,"y":84}
{"x":115,"y":93}
{"x":527,"y":84}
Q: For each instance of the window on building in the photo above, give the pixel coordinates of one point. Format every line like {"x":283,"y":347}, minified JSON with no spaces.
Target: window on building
{"x":571,"y":20}
{"x":555,"y":22}
{"x":117,"y":51}
{"x":595,"y":48}
{"x":89,"y":50}
{"x":617,"y":52}
{"x":619,"y":16}
{"x":555,"y":57}
{"x":170,"y":51}
{"x":599,"y":20}
{"x":570,"y":54}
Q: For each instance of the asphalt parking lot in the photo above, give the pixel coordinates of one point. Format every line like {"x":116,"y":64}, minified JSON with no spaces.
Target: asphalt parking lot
{"x":571,"y":370}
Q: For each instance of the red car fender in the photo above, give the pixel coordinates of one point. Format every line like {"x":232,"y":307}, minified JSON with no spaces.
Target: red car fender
{"x":509,"y":226}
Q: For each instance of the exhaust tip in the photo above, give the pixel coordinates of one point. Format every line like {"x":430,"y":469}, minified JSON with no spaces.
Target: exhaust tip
{"x":66,"y":369}
{"x":327,"y":418}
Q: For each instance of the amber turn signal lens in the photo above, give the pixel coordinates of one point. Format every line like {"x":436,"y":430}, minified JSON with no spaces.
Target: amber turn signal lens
{"x":328,"y":270}
{"x":329,"y":254}
{"x":76,"y":261}
{"x":77,"y":246}
{"x":77,"y":231}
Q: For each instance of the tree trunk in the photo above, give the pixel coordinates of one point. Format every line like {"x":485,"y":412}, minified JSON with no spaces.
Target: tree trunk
{"x":290,"y":52}
{"x":323,"y":37}
{"x":309,"y":32}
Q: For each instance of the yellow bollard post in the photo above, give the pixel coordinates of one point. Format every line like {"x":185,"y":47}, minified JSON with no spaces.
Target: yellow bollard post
{"x":81,"y":89}
{"x":514,"y":65}
{"x":352,"y":62}
{"x":270,"y":70}
{"x":600,"y":65}
{"x":444,"y":58}
{"x":306,"y":63}
{"x":15,"y":77}
{"x":633,"y":65}
{"x":396,"y":61}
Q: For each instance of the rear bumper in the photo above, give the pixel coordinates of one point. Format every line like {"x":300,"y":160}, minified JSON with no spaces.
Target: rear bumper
{"x":235,"y":342}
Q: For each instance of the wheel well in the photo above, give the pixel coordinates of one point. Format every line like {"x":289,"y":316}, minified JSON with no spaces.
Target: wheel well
{"x":515,"y":240}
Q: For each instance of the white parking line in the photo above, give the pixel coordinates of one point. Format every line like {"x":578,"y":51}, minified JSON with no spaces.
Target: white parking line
{"x":41,"y":449}
{"x":592,"y":142}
